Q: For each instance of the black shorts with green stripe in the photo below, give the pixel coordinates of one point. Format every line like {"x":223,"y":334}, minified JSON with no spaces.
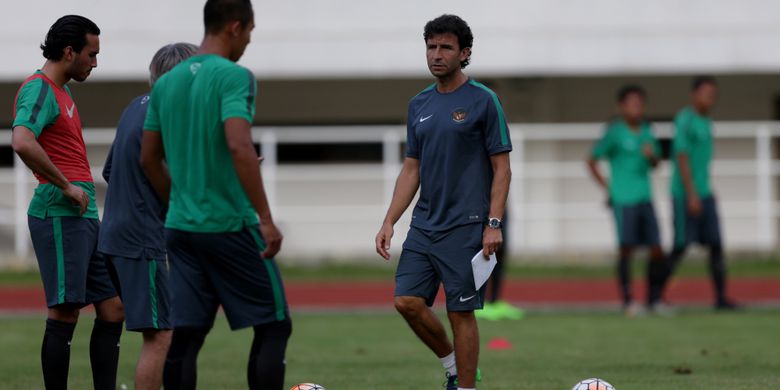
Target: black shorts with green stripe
{"x":636,"y":225}
{"x":703,"y":228}
{"x":71,"y":270}
{"x":143,"y":286}
{"x":227,"y":269}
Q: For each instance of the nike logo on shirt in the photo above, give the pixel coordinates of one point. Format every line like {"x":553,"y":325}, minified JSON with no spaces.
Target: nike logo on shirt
{"x":425,"y":118}
{"x":467,"y":299}
{"x":70,"y":110}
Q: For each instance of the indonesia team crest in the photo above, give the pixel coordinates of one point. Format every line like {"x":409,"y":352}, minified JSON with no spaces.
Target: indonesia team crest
{"x":459,"y":115}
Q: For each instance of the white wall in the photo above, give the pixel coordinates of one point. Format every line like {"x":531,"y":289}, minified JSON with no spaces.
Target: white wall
{"x":358,"y":38}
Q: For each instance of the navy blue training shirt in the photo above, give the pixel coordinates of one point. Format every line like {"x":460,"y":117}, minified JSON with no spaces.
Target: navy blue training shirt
{"x":453,"y":135}
{"x":133,"y":216}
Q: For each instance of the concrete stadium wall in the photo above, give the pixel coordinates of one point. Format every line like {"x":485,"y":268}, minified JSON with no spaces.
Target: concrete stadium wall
{"x":356,"y":38}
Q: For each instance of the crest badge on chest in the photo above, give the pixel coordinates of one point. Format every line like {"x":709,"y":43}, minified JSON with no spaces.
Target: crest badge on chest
{"x":459,"y":115}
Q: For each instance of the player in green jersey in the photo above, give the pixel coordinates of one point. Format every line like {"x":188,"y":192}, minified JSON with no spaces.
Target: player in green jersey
{"x":63,"y":217}
{"x":632,"y":151}
{"x":198,"y":152}
{"x":695,"y":207}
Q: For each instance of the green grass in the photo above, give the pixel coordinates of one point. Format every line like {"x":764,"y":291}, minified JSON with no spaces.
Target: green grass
{"x":518,"y":269}
{"x":378,"y":351}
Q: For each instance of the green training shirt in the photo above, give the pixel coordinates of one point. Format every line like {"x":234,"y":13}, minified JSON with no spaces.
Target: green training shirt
{"x":49,"y":112}
{"x":630,"y":170}
{"x":693,"y":137}
{"x":189,"y":106}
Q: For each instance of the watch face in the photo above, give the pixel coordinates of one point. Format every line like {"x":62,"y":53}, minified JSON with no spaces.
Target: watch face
{"x":494,"y":223}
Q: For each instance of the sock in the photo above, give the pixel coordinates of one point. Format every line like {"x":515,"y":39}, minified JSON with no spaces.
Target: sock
{"x":449,"y":363}
{"x":266,"y":366}
{"x":55,"y":353}
{"x":718,"y":272}
{"x":104,"y":353}
{"x":181,"y":363}
{"x":656,"y":272}
{"x":624,"y":278}
{"x":672,"y":261}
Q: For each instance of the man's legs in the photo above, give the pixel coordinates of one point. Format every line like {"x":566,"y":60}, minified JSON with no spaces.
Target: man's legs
{"x":55,"y":350}
{"x":266,"y":366}
{"x":425,"y":324}
{"x":718,"y":274}
{"x":682,"y":224}
{"x":624,"y":275}
{"x":656,"y":263}
{"x":104,"y":342}
{"x":656,"y":272}
{"x":628,"y":228}
{"x":194,"y":305}
{"x":466,"y":336}
{"x":149,"y":370}
{"x":143,"y":288}
{"x":710,"y":232}
{"x":181,"y":370}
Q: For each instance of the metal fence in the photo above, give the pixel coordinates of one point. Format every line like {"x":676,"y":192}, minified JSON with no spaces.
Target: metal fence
{"x":333,"y":210}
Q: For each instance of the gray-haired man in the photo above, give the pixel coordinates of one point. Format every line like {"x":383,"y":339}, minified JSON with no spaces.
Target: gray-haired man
{"x":132,"y":237}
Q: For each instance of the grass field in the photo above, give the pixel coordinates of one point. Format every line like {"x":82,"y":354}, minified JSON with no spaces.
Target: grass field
{"x":376,"y":269}
{"x":377,"y":351}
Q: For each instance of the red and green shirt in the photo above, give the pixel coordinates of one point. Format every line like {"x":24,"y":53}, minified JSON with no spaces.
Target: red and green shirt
{"x":50,"y":113}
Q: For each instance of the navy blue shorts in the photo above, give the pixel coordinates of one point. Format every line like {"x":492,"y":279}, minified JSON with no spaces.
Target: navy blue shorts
{"x":213,"y":269}
{"x":143,"y":286}
{"x":703,"y":229}
{"x":636,"y":225}
{"x":432,"y":258}
{"x":71,"y":270}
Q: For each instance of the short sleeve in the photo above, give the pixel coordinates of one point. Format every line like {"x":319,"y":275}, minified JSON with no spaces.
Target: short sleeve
{"x":238,"y":89}
{"x":152,"y":120}
{"x":681,"y":142}
{"x":36,"y":106}
{"x":496,"y":131}
{"x":603,"y":147}
{"x":412,"y":147}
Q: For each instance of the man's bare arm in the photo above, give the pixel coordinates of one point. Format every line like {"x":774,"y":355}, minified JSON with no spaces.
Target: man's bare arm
{"x":239,"y":142}
{"x":686,"y":174}
{"x":31,"y":152}
{"x":405,"y":188}
{"x":492,"y":239}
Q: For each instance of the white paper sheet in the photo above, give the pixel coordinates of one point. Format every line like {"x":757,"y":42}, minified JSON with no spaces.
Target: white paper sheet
{"x":482,"y":268}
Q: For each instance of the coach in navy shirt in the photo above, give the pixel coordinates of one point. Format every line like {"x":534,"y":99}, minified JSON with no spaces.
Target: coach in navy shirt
{"x":457,"y":154}
{"x":132,"y":236}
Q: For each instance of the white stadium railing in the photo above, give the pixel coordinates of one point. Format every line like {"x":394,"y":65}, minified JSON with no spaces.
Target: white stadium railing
{"x":333,"y":210}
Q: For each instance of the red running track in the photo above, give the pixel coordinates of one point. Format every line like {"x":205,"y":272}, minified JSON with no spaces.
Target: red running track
{"x":533,"y":293}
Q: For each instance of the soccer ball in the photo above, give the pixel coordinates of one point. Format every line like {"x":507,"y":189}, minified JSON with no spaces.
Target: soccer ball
{"x":308,"y":386}
{"x":593,"y":384}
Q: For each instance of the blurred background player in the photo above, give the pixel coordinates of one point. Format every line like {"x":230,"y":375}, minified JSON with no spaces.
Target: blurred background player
{"x":632,"y":151}
{"x":496,"y":308}
{"x":457,"y":154}
{"x":62,"y":216}
{"x":695,"y":208}
{"x":132,"y":237}
{"x":199,"y":122}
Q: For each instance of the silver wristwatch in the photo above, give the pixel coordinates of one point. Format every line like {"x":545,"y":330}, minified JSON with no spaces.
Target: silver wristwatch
{"x":494,"y":223}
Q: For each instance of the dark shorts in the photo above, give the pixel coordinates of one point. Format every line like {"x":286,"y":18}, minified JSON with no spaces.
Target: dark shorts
{"x":143,"y":286}
{"x":71,"y":270}
{"x":636,"y":225}
{"x":703,"y":229}
{"x":213,"y":269}
{"x":433,"y":258}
